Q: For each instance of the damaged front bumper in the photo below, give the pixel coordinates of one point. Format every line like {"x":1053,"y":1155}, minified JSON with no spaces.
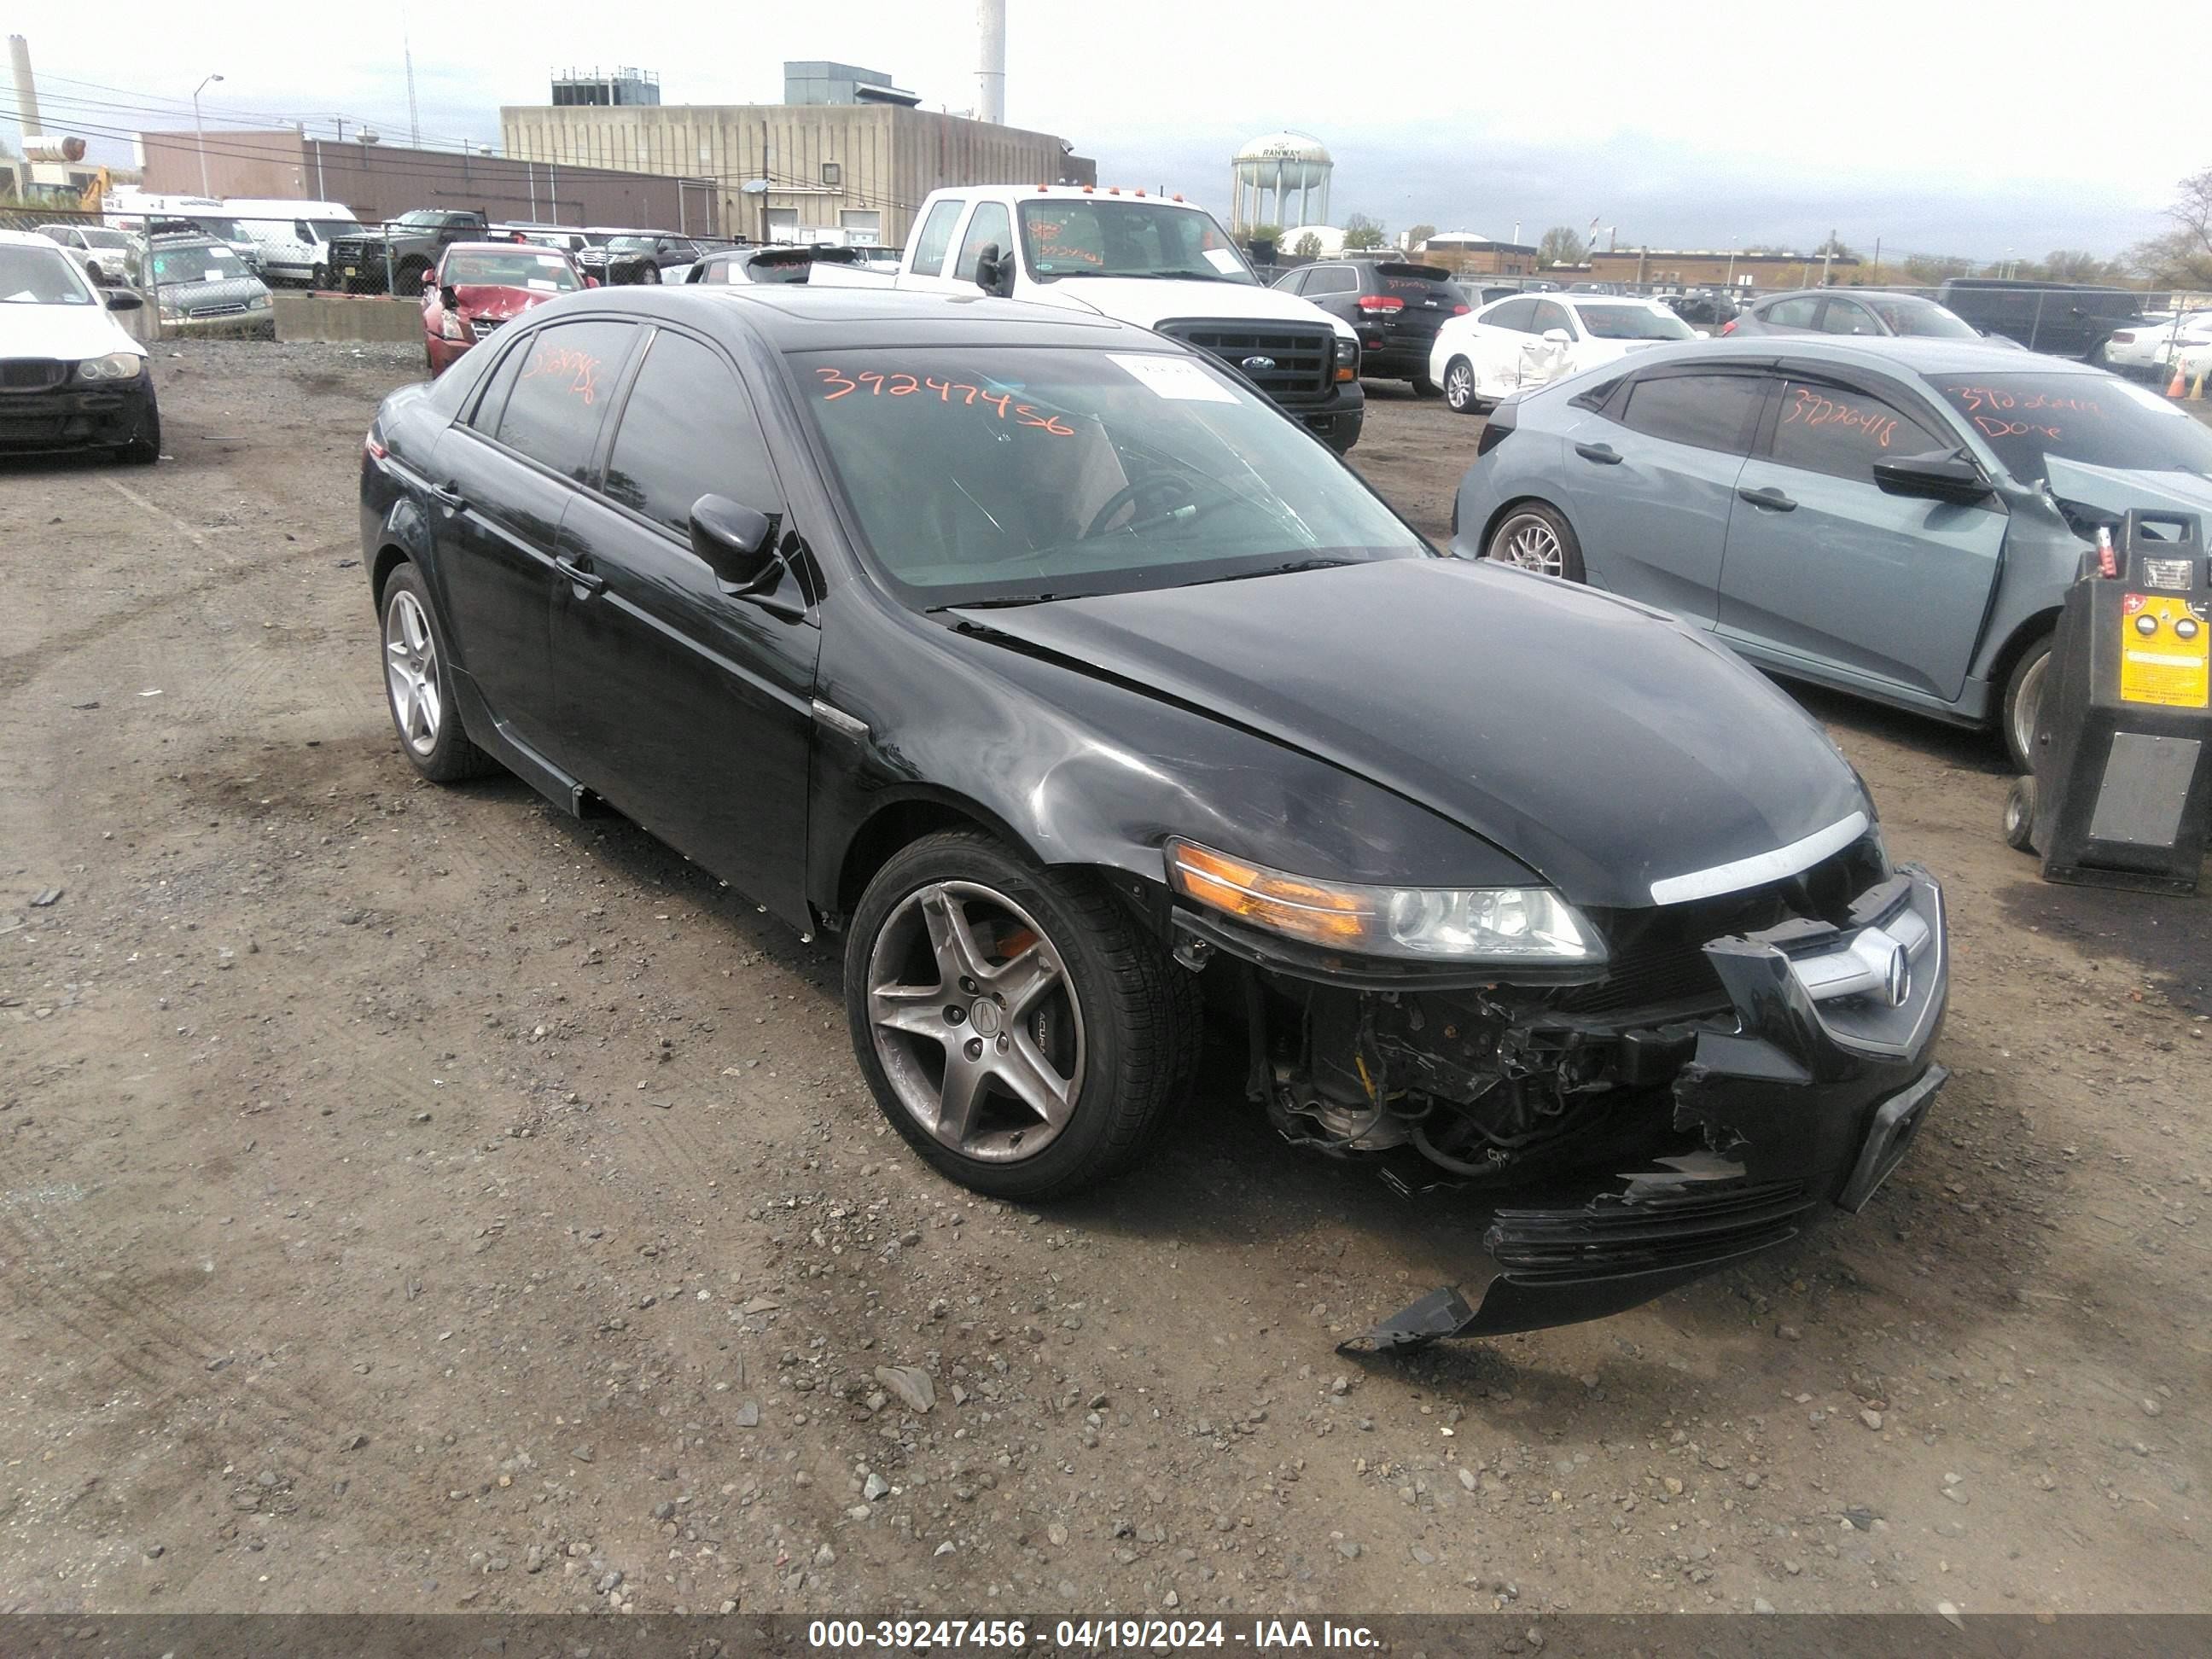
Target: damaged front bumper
{"x":1807,"y":1092}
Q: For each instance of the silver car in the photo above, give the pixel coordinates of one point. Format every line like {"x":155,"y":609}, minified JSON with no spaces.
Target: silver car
{"x":1896,"y":518}
{"x":202,"y":287}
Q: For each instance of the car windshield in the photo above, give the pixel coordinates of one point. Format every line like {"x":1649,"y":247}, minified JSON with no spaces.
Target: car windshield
{"x":208,"y":262}
{"x":1086,"y":236}
{"x":40,"y":276}
{"x":1636,"y":322}
{"x":431,"y":217}
{"x":327,"y":228}
{"x":629,"y":244}
{"x":107,"y":238}
{"x":1015,"y":475}
{"x":229,"y":229}
{"x":2097,"y":419}
{"x":548,"y":273}
{"x":1902,"y":315}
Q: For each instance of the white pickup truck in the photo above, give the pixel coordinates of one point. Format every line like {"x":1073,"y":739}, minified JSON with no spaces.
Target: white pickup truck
{"x":1158,"y":262}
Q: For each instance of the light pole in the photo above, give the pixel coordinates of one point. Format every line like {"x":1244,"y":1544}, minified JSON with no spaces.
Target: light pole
{"x":200,"y":133}
{"x":1731,"y":275}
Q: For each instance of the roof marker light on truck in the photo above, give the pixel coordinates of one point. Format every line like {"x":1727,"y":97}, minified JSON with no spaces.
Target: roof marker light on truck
{"x":1090,"y":190}
{"x":1113,"y":190}
{"x":1178,"y":196}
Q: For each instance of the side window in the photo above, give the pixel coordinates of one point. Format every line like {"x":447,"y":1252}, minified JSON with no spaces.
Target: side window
{"x":1792,"y":313}
{"x":563,"y":377}
{"x":936,"y":237}
{"x":1847,"y":317}
{"x":302,"y":231}
{"x":1338,"y":279}
{"x":497,"y":385}
{"x":687,"y":431}
{"x":1292,"y":282}
{"x":1551,"y":314}
{"x":1710,"y":411}
{"x":990,"y":224}
{"x":1833,"y":429}
{"x":1519,"y":315}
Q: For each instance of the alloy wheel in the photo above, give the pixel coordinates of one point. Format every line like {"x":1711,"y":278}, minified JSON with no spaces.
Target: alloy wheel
{"x":2027,"y":707}
{"x":410,"y":672}
{"x":975,"y":1022}
{"x":1527,"y":541}
{"x":1459,"y":386}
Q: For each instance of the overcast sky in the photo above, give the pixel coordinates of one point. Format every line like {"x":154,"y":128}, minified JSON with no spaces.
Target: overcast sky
{"x":1988,"y":128}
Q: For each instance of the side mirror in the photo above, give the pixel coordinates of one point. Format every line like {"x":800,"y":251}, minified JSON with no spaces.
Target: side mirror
{"x":1557,"y":337}
{"x":448,"y":298}
{"x":1940,"y":477}
{"x":590,"y":282}
{"x":121,"y":299}
{"x":994,"y":271}
{"x":736,"y":542}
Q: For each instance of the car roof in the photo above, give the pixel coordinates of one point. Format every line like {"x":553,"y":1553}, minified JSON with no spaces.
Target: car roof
{"x":24,"y":239}
{"x":1842,"y":294}
{"x":796,"y":317}
{"x":1912,"y":354}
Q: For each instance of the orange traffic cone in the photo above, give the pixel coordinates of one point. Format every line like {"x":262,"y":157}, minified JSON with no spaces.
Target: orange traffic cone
{"x":2179,"y":385}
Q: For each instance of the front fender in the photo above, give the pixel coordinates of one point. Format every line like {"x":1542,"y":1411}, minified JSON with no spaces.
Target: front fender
{"x":1081,"y":769}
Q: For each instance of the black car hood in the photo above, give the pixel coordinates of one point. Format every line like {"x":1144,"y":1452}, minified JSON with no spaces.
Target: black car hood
{"x":1604,"y":746}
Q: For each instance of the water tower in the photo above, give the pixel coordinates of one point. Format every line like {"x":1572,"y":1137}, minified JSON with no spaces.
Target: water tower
{"x":1281,"y":178}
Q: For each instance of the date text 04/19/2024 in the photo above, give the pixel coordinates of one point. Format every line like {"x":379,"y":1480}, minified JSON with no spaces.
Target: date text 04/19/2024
{"x":1081,"y":1635}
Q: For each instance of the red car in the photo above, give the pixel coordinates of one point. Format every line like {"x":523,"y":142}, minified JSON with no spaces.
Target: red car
{"x":480,"y":285}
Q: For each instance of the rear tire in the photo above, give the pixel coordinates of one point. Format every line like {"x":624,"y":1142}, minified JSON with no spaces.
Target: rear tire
{"x":1459,"y":387}
{"x":1101,"y":1028}
{"x":1538,"y":538}
{"x":418,"y":684}
{"x":2021,"y":709}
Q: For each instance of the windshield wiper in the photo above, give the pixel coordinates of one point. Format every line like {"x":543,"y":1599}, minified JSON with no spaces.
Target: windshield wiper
{"x":1005,"y":602}
{"x":1290,"y":569}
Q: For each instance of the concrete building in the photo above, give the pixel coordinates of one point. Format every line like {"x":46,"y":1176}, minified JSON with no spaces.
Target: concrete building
{"x":847,"y":152}
{"x":1765,"y":273}
{"x":1478,"y":255}
{"x":380,"y":181}
{"x":1281,"y":178}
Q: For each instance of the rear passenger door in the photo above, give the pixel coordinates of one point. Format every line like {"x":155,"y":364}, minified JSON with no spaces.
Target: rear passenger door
{"x":689,"y":708}
{"x":502,"y":482}
{"x":1651,"y":482}
{"x":1824,"y":568}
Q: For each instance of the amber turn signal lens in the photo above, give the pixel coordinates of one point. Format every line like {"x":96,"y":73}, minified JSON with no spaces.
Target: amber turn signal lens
{"x":1268,"y":898}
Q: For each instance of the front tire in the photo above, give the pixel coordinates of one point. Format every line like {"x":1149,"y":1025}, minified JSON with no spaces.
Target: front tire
{"x":2019,"y":814}
{"x":1537,"y":538}
{"x":418,"y":684}
{"x":145,"y":446}
{"x":1459,"y":388}
{"x":2022,"y":707}
{"x":1018,"y":1026}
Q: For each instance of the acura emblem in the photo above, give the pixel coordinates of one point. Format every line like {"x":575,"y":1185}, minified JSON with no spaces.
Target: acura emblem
{"x":1897,"y":976}
{"x":1255,"y":364}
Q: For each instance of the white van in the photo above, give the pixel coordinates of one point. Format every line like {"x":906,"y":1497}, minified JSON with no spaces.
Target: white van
{"x":293,"y":237}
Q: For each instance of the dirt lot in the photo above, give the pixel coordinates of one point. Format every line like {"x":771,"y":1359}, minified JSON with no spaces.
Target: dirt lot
{"x":410,"y":1199}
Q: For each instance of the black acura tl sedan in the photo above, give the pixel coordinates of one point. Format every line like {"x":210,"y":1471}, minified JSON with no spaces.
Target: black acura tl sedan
{"x":1094,"y":704}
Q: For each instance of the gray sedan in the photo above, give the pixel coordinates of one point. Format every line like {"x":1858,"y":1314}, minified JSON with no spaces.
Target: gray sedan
{"x":1897,"y":518}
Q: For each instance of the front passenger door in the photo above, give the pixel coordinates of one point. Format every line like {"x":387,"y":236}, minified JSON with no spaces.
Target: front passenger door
{"x":1825,"y":568}
{"x":691,"y":708}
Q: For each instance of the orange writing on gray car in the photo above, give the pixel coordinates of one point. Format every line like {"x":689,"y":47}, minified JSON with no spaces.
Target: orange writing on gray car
{"x":837,"y":384}
{"x":1811,"y":407}
{"x":581,"y":367}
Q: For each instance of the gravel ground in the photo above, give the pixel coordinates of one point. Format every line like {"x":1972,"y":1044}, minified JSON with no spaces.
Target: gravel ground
{"x":412,"y":1200}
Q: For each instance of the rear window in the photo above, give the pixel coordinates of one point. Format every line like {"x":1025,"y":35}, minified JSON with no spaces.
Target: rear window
{"x":2096,"y":419}
{"x":1415,"y":281}
{"x":1636,"y":322}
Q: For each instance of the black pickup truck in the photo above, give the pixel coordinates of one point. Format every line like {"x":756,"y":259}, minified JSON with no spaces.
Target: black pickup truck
{"x":397,"y":256}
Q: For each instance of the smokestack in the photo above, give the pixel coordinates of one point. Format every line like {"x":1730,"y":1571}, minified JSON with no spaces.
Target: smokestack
{"x":26,"y":89}
{"x":991,"y":25}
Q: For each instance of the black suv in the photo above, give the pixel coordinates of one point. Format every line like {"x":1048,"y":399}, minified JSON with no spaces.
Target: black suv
{"x":1397,"y":308}
{"x":2065,"y":320}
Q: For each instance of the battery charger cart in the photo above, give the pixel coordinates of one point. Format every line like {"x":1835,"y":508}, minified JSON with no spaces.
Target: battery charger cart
{"x":2121,"y":795}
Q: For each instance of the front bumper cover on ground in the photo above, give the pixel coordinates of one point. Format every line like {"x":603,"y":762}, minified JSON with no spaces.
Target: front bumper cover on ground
{"x":1809,"y":1092}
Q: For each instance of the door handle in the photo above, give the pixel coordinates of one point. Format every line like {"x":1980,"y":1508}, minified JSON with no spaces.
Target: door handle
{"x":1603,"y":455}
{"x":580,"y":574}
{"x":452,"y":500}
{"x":1768,"y":497}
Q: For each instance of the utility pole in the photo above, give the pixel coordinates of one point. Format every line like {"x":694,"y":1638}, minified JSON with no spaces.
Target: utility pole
{"x":407,"y":53}
{"x":199,"y":133}
{"x":763,"y":235}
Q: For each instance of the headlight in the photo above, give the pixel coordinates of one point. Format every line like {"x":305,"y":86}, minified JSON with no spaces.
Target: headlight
{"x":116,"y":366}
{"x":258,"y":302}
{"x":1481,"y":924}
{"x":449,"y":327}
